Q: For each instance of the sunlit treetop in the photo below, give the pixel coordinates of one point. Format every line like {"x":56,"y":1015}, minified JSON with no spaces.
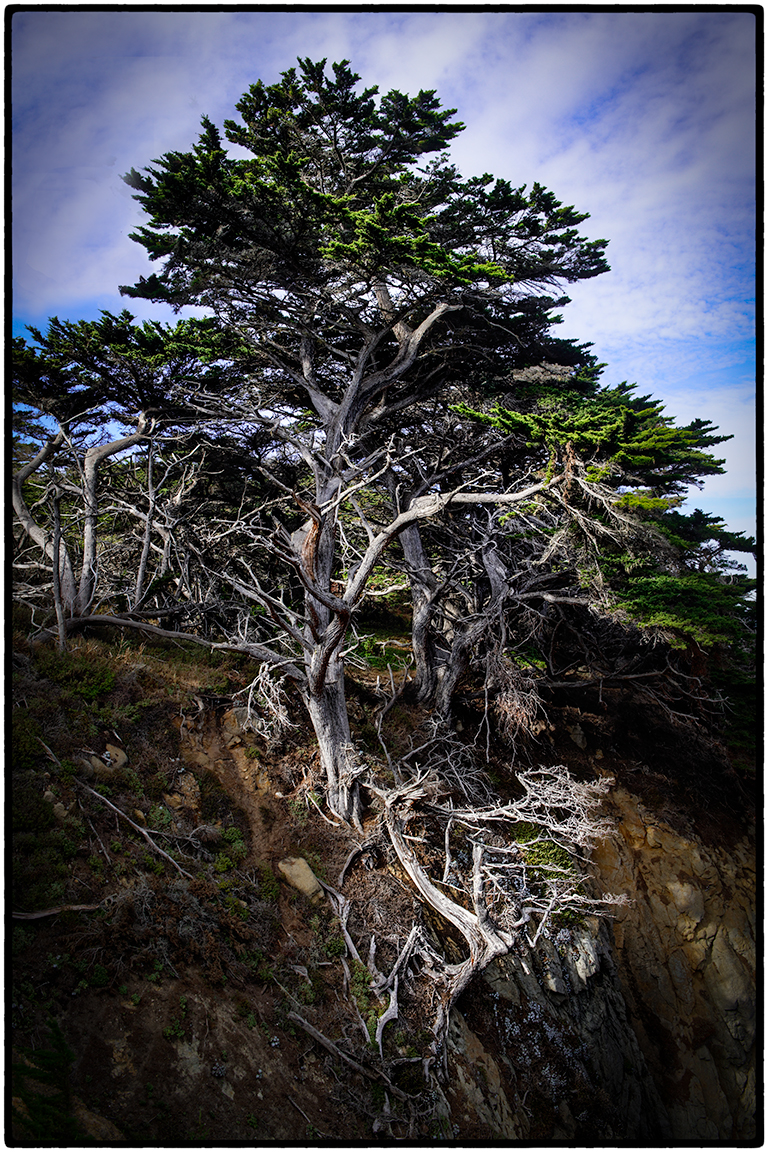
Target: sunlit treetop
{"x":346,"y":192}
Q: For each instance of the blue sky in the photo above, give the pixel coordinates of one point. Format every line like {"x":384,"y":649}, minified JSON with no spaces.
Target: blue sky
{"x":645,"y":120}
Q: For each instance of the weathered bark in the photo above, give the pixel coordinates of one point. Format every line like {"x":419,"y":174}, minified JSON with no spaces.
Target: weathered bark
{"x":60,"y":620}
{"x":142,"y":569}
{"x":438,"y":674}
{"x":66,"y":577}
{"x":330,"y":720}
{"x":93,"y":458}
{"x":462,"y":646}
{"x":423,"y":598}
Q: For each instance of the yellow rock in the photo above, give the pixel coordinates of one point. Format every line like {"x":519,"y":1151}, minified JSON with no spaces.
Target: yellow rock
{"x":117,"y":756}
{"x":300,"y":876}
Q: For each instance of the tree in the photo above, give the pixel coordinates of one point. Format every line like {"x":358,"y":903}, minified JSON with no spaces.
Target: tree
{"x":604,"y":557}
{"x":378,"y":392}
{"x":352,"y":285}
{"x":76,"y":395}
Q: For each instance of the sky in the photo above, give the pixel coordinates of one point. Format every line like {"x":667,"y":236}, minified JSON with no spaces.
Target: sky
{"x":646,"y":120}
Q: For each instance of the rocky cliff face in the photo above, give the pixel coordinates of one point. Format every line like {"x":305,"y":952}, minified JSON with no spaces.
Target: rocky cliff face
{"x":177,"y":994}
{"x":685,"y":952}
{"x":643,"y":1030}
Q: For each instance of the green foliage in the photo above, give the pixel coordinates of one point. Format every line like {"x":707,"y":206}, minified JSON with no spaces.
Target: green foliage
{"x":626,"y":467}
{"x":87,"y":676}
{"x":159,"y":816}
{"x":153,"y":864}
{"x":333,"y":192}
{"x":105,"y":366}
{"x":157,"y":972}
{"x":21,"y":939}
{"x":222,"y":863}
{"x":704,"y":539}
{"x":29,"y":812}
{"x":298,"y":810}
{"x":237,"y":907}
{"x":698,"y":606}
{"x":174,"y":1030}
{"x":269,"y":887}
{"x":256,"y":961}
{"x":315,"y":862}
{"x":626,"y":438}
{"x":99,"y":976}
{"x":42,"y":851}
{"x":359,"y":985}
{"x":334,"y":946}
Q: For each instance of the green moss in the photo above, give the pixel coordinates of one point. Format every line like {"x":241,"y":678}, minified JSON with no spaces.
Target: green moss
{"x":270,"y":886}
{"x":85,"y":675}
{"x":545,"y":855}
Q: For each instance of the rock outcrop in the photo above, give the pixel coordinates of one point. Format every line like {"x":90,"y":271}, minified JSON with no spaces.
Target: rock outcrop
{"x":685,"y":951}
{"x":641,"y":1029}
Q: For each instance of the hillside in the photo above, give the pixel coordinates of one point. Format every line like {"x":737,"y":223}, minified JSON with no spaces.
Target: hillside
{"x":171,"y":983}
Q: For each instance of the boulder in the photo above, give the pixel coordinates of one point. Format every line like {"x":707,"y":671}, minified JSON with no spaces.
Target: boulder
{"x":300,"y":876}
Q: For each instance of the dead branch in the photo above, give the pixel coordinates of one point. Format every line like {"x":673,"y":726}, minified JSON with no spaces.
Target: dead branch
{"x":386,"y":1016}
{"x":337,"y":1052}
{"x":56,"y":911}
{"x":137,"y":828}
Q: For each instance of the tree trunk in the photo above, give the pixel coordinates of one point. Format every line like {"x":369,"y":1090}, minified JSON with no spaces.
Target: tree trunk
{"x":67,"y":586}
{"x":93,"y":459}
{"x":60,"y":621}
{"x":327,"y":621}
{"x":454,"y":668}
{"x":328,"y":713}
{"x":424,"y":600}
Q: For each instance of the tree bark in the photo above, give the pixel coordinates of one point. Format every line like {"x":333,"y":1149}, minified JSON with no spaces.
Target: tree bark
{"x":330,"y":720}
{"x":66,"y":576}
{"x":423,"y":589}
{"x":60,"y":621}
{"x":93,"y":458}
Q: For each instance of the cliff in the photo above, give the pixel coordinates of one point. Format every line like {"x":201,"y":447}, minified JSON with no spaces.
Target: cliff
{"x":192,"y":988}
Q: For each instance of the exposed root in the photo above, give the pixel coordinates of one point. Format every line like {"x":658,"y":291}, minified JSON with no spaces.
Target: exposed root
{"x":500,"y":873}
